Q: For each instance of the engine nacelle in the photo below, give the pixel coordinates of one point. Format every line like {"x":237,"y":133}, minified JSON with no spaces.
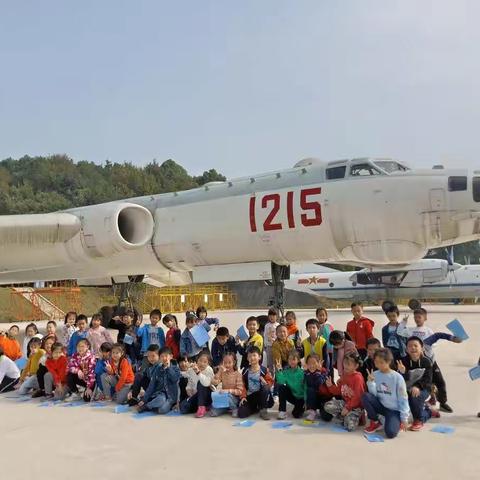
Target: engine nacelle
{"x":115,"y":227}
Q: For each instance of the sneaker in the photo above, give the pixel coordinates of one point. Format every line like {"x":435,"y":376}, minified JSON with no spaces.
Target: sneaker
{"x":445,"y":407}
{"x":132,"y":402}
{"x":235,"y":413}
{"x":201,"y":412}
{"x":282,"y":415}
{"x":373,"y":426}
{"x":38,"y":394}
{"x":311,"y":415}
{"x":416,"y":426}
{"x":435,"y":413}
{"x":214,"y":412}
{"x":264,"y":414}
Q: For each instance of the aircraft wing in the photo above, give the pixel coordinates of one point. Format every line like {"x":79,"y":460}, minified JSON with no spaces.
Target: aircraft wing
{"x":38,"y":229}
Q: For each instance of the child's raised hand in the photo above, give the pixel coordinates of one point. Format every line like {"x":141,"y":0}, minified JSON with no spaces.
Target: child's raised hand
{"x":109,"y":369}
{"x":370,"y":377}
{"x":401,"y":367}
{"x":195,"y":368}
{"x":328,"y":382}
{"x":405,"y":318}
{"x":415,"y":391}
{"x":278,"y":364}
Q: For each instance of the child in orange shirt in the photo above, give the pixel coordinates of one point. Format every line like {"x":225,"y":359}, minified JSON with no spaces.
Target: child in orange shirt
{"x":9,"y":343}
{"x":119,"y":376}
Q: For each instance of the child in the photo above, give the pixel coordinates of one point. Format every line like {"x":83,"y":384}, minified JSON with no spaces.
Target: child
{"x":292,"y":329}
{"x":31,"y":331}
{"x":373,"y":344}
{"x":183,"y":365}
{"x":315,"y":378}
{"x":269,"y":336}
{"x":42,"y":355}
{"x":51,"y":328}
{"x":360,"y":329}
{"x":69,"y":327}
{"x":97,"y":335}
{"x":254,"y":340}
{"x":142,"y":378}
{"x":351,"y":387}
{"x":9,"y":373}
{"x":9,"y":344}
{"x":206,"y":321}
{"x":162,"y":392}
{"x":57,"y":372}
{"x":291,"y":386}
{"x":172,"y":339}
{"x":325,"y":328}
{"x":78,"y":335}
{"x":188,"y":345}
{"x":341,"y":347}
{"x":257,"y":381}
{"x":386,"y":396}
{"x":229,"y":378}
{"x":282,"y":347}
{"x":81,"y":369}
{"x":118,"y":377}
{"x":423,"y":333}
{"x":101,"y":368}
{"x":390,"y":337}
{"x":417,"y":371}
{"x":222,"y":344}
{"x":200,"y":376}
{"x":315,"y":343}
{"x":150,"y":335}
{"x":28,"y":378}
{"x":123,"y":323}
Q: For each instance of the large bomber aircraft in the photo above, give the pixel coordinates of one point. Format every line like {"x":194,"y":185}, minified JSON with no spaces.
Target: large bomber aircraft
{"x":429,"y":278}
{"x":360,"y":212}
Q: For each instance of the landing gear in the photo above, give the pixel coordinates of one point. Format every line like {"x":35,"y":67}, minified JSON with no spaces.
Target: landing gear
{"x":413,"y":304}
{"x":279,"y":274}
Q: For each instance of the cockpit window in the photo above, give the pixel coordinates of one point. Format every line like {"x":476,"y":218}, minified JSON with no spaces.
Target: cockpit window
{"x":334,"y":173}
{"x":390,"y":166}
{"x":363,"y":170}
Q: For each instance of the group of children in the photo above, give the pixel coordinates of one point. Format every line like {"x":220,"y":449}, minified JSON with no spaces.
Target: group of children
{"x":159,"y":371}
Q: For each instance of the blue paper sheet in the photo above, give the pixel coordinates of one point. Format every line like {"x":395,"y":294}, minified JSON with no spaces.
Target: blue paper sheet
{"x":21,"y":363}
{"x":457,"y":329}
{"x":281,"y":425}
{"x":200,"y":335}
{"x":140,"y":416}
{"x":374,"y":437}
{"x":443,"y":429}
{"x":80,"y":403}
{"x":128,"y":339}
{"x":338,"y":429}
{"x":122,"y":409}
{"x":220,"y":400}
{"x":474,"y":373}
{"x":244,"y":423}
{"x":50,"y":403}
{"x":23,"y":399}
{"x":242,"y":333}
{"x":98,"y":404}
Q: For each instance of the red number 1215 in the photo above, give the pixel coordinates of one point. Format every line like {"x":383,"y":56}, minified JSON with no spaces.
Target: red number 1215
{"x":311,"y":216}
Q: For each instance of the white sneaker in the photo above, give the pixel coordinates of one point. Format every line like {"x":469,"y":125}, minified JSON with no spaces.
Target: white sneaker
{"x":282,"y":415}
{"x":311,"y":415}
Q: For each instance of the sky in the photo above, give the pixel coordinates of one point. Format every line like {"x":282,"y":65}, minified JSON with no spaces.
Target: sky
{"x":241,"y":86}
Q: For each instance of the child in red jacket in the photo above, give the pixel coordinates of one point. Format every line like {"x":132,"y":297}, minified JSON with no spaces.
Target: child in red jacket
{"x":119,"y":376}
{"x":57,"y":371}
{"x":172,"y":339}
{"x":351,"y":387}
{"x":360,"y":329}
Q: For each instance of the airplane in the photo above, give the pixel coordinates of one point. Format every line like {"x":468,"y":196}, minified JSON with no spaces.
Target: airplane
{"x":428,"y":278}
{"x":361,"y":211}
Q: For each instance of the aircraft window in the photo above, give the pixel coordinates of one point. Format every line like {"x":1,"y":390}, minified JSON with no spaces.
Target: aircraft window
{"x":390,"y":166}
{"x":457,"y":184}
{"x":363,"y":170}
{"x":476,"y":189}
{"x":335,"y":173}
